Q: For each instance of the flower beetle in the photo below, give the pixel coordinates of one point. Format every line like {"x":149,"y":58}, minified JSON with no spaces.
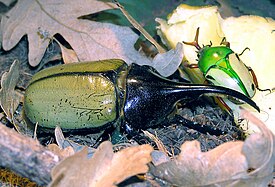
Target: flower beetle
{"x":96,"y":95}
{"x":221,"y":66}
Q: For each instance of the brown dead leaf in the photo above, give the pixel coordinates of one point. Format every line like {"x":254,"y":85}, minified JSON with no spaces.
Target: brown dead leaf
{"x":41,"y":20}
{"x":105,"y":168}
{"x":195,"y":168}
{"x":248,"y":163}
{"x":259,"y":149}
{"x":63,"y":143}
{"x":9,"y":99}
{"x":68,"y":55}
{"x":62,"y":153}
{"x":167,"y":63}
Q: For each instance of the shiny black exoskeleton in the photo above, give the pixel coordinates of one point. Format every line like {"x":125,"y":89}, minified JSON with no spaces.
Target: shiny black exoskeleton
{"x":150,"y":97}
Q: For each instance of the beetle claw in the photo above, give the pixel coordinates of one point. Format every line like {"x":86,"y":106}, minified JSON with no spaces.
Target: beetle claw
{"x":244,"y":51}
{"x":224,"y":42}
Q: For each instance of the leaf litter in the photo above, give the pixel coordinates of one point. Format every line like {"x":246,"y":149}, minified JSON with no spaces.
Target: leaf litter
{"x":105,"y":168}
{"x":248,"y":163}
{"x":9,"y":98}
{"x":89,"y":39}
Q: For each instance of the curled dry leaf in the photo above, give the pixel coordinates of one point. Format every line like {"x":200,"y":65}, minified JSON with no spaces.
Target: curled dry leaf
{"x":167,"y":63}
{"x":248,"y":163}
{"x":64,"y":143}
{"x":105,"y":168}
{"x":68,"y":55}
{"x":259,"y":150}
{"x":195,"y":168}
{"x":9,"y":99}
{"x":90,"y":40}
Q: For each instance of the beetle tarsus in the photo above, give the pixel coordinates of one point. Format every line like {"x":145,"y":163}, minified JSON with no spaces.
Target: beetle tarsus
{"x":256,"y":81}
{"x":266,"y":90}
{"x":244,"y":51}
{"x":224,"y":42}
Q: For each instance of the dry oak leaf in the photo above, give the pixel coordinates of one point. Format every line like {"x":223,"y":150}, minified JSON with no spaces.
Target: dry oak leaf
{"x":105,"y":168}
{"x":9,"y":99}
{"x":195,"y":168}
{"x":248,"y":163}
{"x":41,"y":20}
{"x":64,"y":143}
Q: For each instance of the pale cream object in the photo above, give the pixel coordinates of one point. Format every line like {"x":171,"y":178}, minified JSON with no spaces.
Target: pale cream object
{"x":183,"y":23}
{"x":255,"y":32}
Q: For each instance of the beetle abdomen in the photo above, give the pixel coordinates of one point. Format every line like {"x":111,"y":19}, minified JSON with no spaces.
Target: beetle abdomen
{"x":72,"y":101}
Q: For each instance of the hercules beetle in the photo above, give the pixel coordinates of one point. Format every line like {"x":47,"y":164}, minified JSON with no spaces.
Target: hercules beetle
{"x":221,"y":66}
{"x":95,"y":95}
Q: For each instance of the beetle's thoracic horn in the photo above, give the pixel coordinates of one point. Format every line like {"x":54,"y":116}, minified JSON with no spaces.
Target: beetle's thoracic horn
{"x":212,"y":90}
{"x":149,"y":96}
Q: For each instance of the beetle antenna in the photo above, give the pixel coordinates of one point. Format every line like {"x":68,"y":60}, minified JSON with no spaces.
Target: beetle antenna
{"x":195,"y":42}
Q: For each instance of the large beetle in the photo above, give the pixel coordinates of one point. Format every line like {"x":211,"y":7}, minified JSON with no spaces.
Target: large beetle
{"x":94,"y":95}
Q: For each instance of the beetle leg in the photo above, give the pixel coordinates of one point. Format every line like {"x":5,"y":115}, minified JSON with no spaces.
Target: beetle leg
{"x":224,"y":42}
{"x":111,"y":133}
{"x":106,"y":134}
{"x":244,"y":51}
{"x":221,"y":103}
{"x":200,"y":128}
{"x":256,"y":81}
{"x":195,"y":42}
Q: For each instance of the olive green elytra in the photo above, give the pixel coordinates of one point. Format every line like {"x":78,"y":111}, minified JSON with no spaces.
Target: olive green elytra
{"x":74,"y":96}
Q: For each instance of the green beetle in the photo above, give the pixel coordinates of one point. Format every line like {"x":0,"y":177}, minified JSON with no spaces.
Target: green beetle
{"x":221,"y":66}
{"x":96,"y":95}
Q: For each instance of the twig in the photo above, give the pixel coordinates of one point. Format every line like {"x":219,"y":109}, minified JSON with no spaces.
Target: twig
{"x":139,"y":28}
{"x":26,"y":156}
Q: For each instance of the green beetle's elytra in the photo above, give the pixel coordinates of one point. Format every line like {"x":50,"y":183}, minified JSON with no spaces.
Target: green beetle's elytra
{"x":96,"y":95}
